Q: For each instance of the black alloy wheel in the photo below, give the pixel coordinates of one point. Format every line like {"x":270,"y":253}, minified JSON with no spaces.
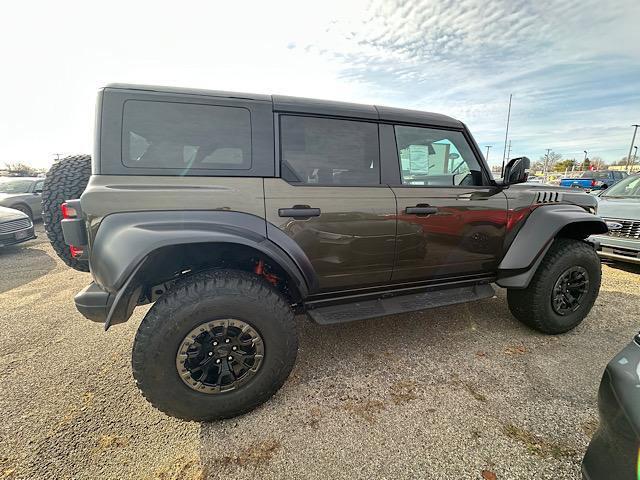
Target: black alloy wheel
{"x":569,"y":290}
{"x":219,"y":356}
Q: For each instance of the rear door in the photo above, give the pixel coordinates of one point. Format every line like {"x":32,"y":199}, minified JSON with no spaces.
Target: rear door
{"x":451,"y":222}
{"x":329,"y":199}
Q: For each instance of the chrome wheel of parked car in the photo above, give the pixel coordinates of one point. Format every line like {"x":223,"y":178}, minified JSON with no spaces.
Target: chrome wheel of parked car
{"x":569,"y":290}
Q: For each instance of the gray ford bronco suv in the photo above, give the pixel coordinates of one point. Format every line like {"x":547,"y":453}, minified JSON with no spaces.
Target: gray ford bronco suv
{"x":232,"y":212}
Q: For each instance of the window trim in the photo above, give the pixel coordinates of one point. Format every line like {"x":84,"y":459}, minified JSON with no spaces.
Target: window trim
{"x":278,"y":149}
{"x":181,"y":171}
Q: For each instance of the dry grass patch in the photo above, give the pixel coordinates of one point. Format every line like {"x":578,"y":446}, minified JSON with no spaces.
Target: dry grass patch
{"x":537,"y":445}
{"x":403,"y":392}
{"x":366,"y":409}
{"x":255,"y":454}
{"x":182,"y":468}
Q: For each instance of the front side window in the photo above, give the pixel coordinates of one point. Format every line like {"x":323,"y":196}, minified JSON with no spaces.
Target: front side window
{"x":185,"y":136}
{"x":326,"y":151}
{"x":429,"y":156}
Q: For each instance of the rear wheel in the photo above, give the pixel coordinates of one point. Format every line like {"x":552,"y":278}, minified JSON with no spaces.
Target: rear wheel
{"x":66,"y":180}
{"x":215,"y":346}
{"x":563,"y":289}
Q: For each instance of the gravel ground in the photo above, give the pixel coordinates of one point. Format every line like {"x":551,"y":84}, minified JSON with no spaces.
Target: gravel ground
{"x":447,"y":393}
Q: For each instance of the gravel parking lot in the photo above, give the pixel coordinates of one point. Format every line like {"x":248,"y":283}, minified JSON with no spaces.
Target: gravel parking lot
{"x":460,"y":392}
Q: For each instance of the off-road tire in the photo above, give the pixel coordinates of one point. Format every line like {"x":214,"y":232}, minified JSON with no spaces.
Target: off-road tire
{"x":532,"y":305}
{"x":204,"y":297}
{"x":65,"y":180}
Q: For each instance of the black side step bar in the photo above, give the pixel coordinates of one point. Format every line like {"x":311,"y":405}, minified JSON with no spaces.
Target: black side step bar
{"x":348,"y":312}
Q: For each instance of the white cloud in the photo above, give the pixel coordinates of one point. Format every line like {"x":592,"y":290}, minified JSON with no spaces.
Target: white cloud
{"x":572,"y":65}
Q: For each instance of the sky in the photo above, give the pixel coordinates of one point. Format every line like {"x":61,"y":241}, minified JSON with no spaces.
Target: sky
{"x":573,"y":66}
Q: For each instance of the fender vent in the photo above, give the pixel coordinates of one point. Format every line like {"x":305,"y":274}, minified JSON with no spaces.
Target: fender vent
{"x":549,"y":197}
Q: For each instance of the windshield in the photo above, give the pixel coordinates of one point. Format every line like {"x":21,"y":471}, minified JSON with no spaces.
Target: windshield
{"x":14,"y":185}
{"x":629,"y":187}
{"x":595,"y":175}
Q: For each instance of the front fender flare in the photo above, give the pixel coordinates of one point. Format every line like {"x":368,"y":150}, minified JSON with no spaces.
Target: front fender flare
{"x":535,"y":237}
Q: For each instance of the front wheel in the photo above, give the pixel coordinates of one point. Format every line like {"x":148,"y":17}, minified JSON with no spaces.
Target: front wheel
{"x":563,"y":289}
{"x":217,"y":345}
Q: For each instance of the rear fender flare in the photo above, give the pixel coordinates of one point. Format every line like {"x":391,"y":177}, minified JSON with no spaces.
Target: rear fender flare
{"x":125,"y":240}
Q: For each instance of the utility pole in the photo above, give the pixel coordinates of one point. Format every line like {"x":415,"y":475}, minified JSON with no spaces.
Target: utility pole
{"x":546,"y":163}
{"x":506,"y":134}
{"x":487,"y":155}
{"x":633,"y":140}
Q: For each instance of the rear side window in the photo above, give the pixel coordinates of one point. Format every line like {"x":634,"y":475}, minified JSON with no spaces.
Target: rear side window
{"x":185,"y":136}
{"x":327,"y":151}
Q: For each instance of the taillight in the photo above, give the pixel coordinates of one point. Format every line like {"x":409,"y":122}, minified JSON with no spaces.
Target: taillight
{"x":68,"y":211}
{"x":593,"y":183}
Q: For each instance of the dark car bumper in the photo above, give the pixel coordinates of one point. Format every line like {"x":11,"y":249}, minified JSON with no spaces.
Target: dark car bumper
{"x":618,"y":248}
{"x":614,"y":448}
{"x":17,"y":236}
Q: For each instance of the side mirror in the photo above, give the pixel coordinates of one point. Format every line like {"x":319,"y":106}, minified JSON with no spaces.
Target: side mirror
{"x":516,"y":171}
{"x":37,"y":192}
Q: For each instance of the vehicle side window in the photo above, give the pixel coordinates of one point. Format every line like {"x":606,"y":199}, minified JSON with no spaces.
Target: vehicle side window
{"x":327,"y":151}
{"x":430,"y":156}
{"x":185,"y":136}
{"x":37,"y":187}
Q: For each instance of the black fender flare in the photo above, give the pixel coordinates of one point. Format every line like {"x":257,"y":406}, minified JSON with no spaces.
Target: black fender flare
{"x":124,"y":241}
{"x":529,"y":246}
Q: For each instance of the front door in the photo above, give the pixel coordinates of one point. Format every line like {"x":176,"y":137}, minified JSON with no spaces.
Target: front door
{"x":331,"y":202}
{"x":449,"y":223}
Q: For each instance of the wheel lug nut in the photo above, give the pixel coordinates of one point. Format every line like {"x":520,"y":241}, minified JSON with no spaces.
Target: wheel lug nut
{"x":210,"y":354}
{"x":218,"y":361}
{"x":229,"y":358}
{"x":234,"y":348}
{"x":227,"y":341}
{"x":215,"y":343}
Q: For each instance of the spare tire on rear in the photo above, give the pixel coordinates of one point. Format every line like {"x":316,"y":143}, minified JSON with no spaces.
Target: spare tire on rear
{"x":66,"y":180}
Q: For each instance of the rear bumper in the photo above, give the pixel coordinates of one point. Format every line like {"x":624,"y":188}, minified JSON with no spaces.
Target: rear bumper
{"x":94,"y":303}
{"x":18,"y":236}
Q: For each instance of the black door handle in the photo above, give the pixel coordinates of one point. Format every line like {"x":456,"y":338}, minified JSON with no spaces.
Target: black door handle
{"x":299,"y":211}
{"x":421,"y":210}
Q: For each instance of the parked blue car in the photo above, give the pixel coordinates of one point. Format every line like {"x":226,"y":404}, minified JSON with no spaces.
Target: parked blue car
{"x":596,"y":180}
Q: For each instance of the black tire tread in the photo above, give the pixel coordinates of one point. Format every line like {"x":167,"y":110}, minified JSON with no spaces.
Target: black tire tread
{"x":216,"y":282}
{"x":65,"y":180}
{"x":528,"y":305}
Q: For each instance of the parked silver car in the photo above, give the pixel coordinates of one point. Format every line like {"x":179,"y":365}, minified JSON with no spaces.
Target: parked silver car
{"x":15,"y":227}
{"x":22,"y":193}
{"x":619,"y":206}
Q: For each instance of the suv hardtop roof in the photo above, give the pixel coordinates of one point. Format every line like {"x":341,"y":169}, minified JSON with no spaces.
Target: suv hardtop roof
{"x":283,"y":103}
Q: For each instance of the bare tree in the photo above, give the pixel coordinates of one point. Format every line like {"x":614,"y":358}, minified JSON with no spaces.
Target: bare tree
{"x":21,"y":169}
{"x":598,"y":163}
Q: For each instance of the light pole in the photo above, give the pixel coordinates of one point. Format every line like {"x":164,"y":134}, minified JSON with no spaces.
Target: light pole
{"x":506,"y":135}
{"x":635,"y":152}
{"x":487,"y":155}
{"x":584,"y":162}
{"x":633,"y":139}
